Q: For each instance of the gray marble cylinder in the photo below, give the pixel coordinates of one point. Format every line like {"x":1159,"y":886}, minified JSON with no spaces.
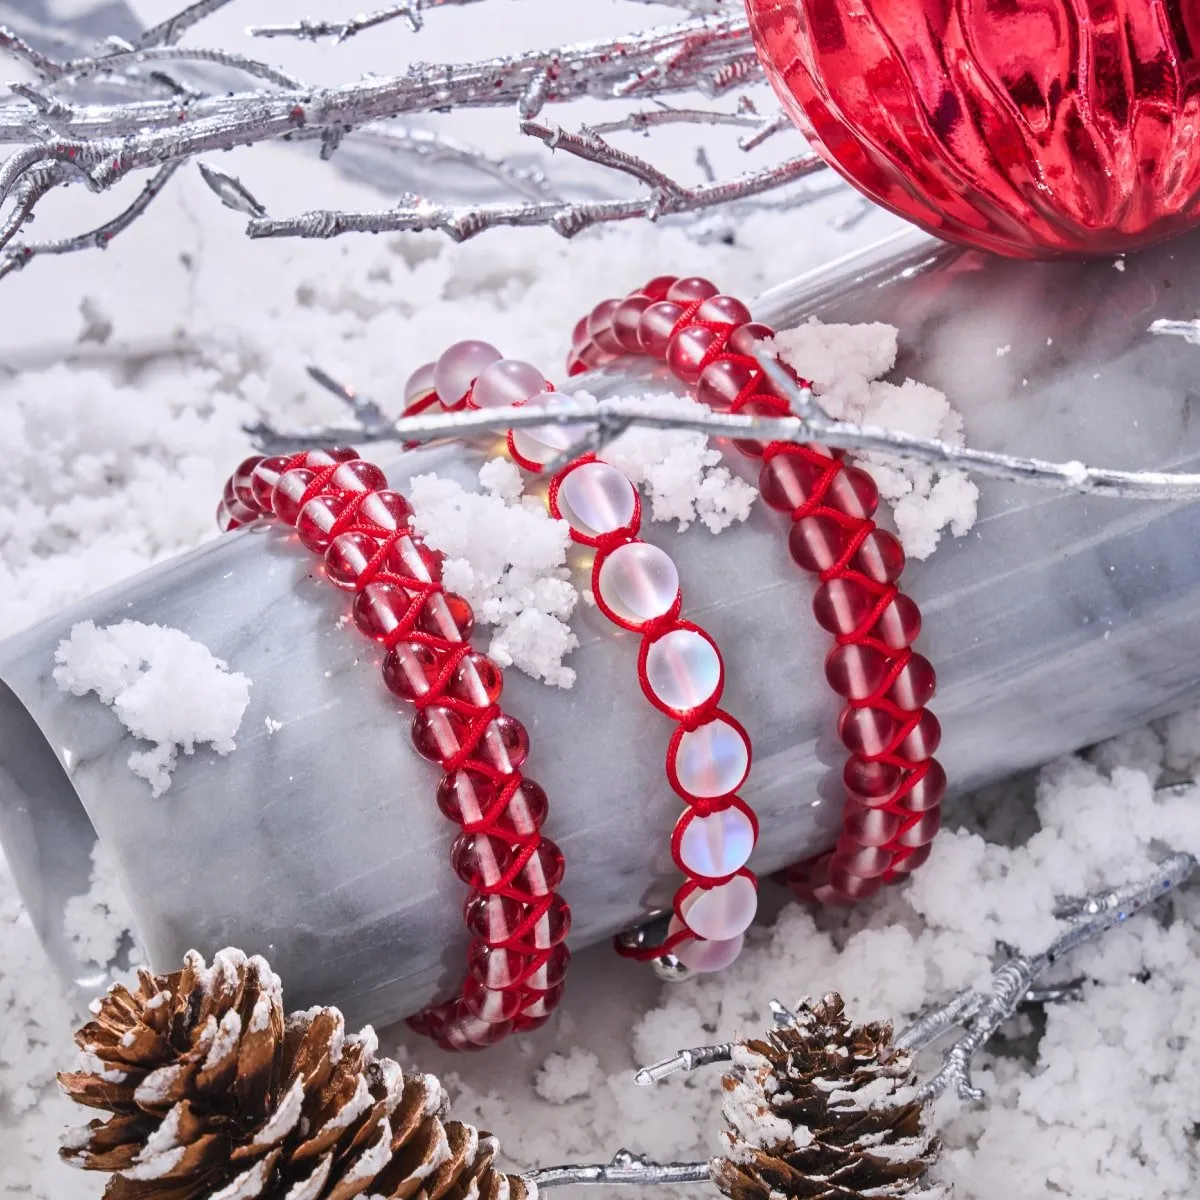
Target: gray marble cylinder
{"x":1059,"y":620}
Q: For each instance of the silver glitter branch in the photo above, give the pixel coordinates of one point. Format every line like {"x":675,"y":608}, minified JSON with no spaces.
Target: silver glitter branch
{"x":809,"y":425}
{"x":61,"y":137}
{"x":625,"y":1168}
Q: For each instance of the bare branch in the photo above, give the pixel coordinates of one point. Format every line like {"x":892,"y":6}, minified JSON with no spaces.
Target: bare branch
{"x":116,"y":63}
{"x":21,"y":50}
{"x":20,"y":256}
{"x":565,"y":218}
{"x":768,"y":129}
{"x":643,"y":122}
{"x":32,"y":188}
{"x":168,"y":32}
{"x":699,"y":7}
{"x":408,"y":10}
{"x":591,"y":148}
{"x":625,"y":1168}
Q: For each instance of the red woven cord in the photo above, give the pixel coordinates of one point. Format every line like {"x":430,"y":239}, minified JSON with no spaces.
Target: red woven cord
{"x":450,"y":1022}
{"x":856,"y":531}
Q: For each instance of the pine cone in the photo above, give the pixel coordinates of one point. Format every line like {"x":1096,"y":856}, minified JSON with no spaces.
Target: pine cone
{"x":216,"y":1096}
{"x":823,"y":1110}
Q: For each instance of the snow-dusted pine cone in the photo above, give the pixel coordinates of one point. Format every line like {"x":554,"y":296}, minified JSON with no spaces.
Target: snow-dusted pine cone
{"x":215,"y":1096}
{"x":824,"y":1110}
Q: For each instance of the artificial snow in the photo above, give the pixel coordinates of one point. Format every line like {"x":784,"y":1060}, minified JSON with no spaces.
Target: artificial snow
{"x":98,"y":922}
{"x":507,"y":557}
{"x":844,"y":364}
{"x":163,"y":686}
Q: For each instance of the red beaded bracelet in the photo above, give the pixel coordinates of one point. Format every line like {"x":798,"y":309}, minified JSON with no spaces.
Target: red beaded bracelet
{"x":342,"y":510}
{"x":636,"y":585}
{"x":894,"y":786}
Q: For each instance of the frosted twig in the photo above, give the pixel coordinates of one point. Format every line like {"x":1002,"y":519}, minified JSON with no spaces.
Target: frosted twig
{"x":566,"y":218}
{"x":230,"y":190}
{"x":641,"y":122}
{"x":32,"y":188}
{"x":408,"y":10}
{"x":699,"y":7}
{"x":111,"y":64}
{"x":625,"y":1168}
{"x":364,"y":410}
{"x":684,"y":1060}
{"x":768,"y":129}
{"x":981,"y":1014}
{"x":168,"y":32}
{"x":847,"y":435}
{"x":20,"y":49}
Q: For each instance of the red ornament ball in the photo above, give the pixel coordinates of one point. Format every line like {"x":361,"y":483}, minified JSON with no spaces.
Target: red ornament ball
{"x":1033,"y":128}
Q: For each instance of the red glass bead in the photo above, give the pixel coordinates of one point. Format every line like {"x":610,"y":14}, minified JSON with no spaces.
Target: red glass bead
{"x":358,"y":476}
{"x":600,"y":329}
{"x":869,"y":826}
{"x":552,"y":972}
{"x":347,"y":559}
{"x":872,"y":783}
{"x":490,"y":1005}
{"x":324,"y":457}
{"x":656,"y":325}
{"x":722,"y":382}
{"x":286,"y":499}
{"x":923,"y":741}
{"x":914,"y":685}
{"x":438,"y":733}
{"x":854,"y":493}
{"x":625,"y":322}
{"x":579,"y":335}
{"x":410,"y":670}
{"x":228,"y":496}
{"x":816,"y":542}
{"x":504,"y":745}
{"x":477,"y":680}
{"x":544,"y":871}
{"x":847,"y":885}
{"x":723,"y":310}
{"x":879,"y":557}
{"x":526,"y":811}
{"x":686,"y":351}
{"x":317,"y":518}
{"x":496,"y":966}
{"x":263,"y":478}
{"x":448,"y":616}
{"x":867,"y":731}
{"x":466,"y":796}
{"x":592,"y":356}
{"x":658,"y":287}
{"x":928,"y":791}
{"x":242,"y":480}
{"x":787,"y":481}
{"x":867,"y":862}
{"x":472,"y":1033}
{"x":480,"y":859}
{"x":745,"y":338}
{"x":758,"y":406}
{"x":899,"y":624}
{"x":842,"y":605}
{"x":379,"y":610}
{"x":923,"y":831}
{"x":388,"y":511}
{"x":856,"y":672}
{"x":234,"y":514}
{"x":691,"y":289}
{"x":496,"y":918}
{"x":539,"y":1010}
{"x":413,"y":559}
{"x":910,"y":862}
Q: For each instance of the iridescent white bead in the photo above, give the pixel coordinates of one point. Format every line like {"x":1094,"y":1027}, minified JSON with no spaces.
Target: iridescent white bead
{"x":507,"y":381}
{"x":704,"y":956}
{"x":683,"y":669}
{"x":712,"y":760}
{"x":595,"y":498}
{"x":721,"y":912}
{"x":541,"y":443}
{"x":716,"y":845}
{"x":419,"y":383}
{"x":638,"y":582}
{"x":459,"y":367}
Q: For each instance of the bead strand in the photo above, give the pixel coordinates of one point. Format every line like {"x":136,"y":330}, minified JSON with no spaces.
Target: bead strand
{"x":342,"y":510}
{"x":636,"y":585}
{"x":893,"y":785}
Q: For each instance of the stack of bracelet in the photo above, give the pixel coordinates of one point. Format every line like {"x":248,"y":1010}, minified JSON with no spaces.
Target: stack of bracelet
{"x":636,"y":585}
{"x":894,"y":786}
{"x":342,"y":510}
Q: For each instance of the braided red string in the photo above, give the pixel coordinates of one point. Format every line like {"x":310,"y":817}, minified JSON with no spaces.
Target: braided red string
{"x":530,"y":986}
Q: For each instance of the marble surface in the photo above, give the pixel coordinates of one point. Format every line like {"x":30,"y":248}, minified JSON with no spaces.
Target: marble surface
{"x":1058,"y":621}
